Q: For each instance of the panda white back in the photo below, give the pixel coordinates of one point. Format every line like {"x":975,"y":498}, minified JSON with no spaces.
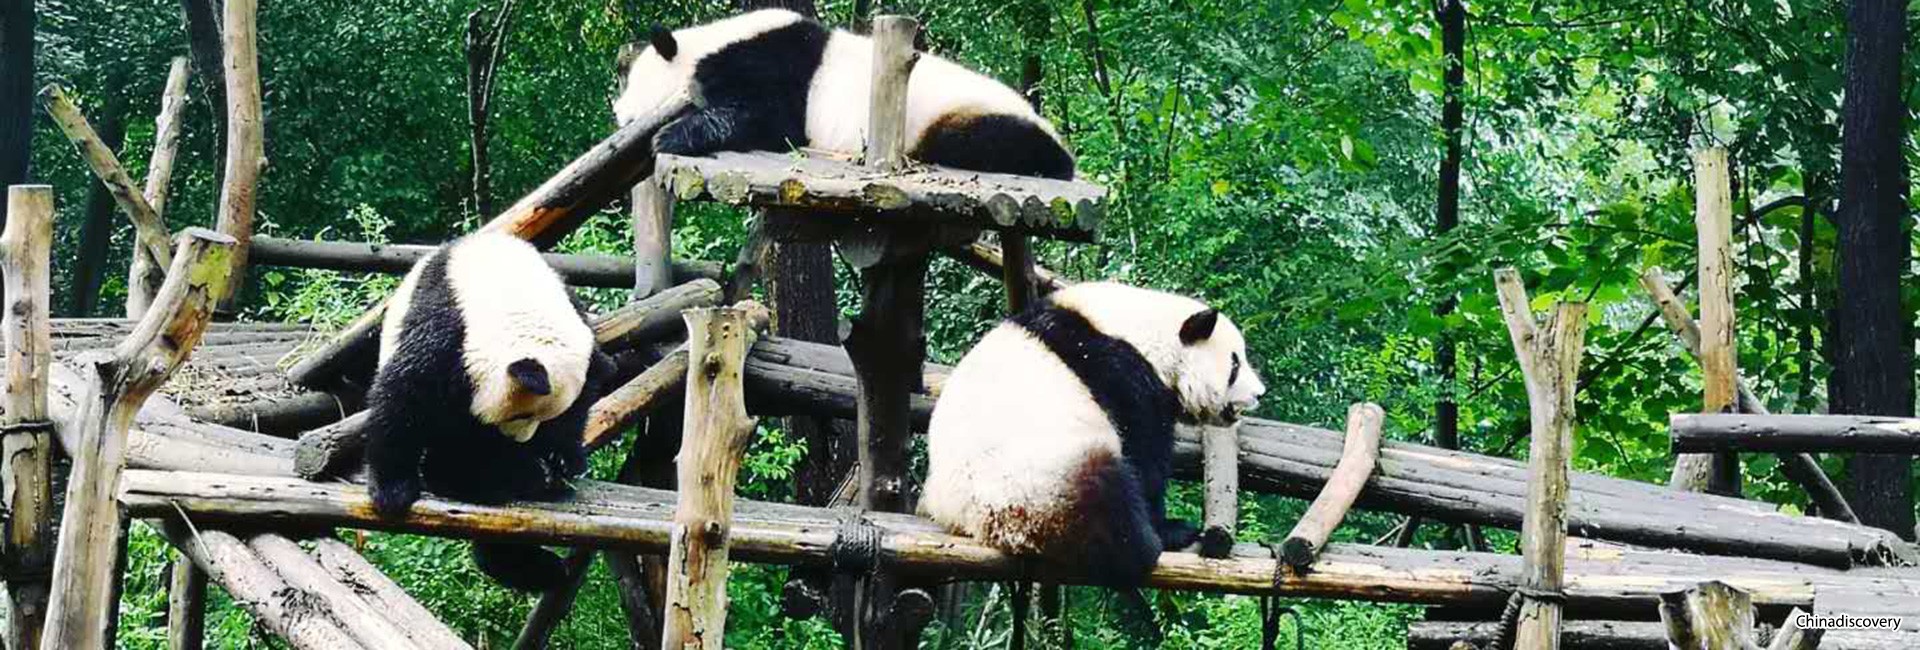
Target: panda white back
{"x":774,"y":80}
{"x":1053,"y":436}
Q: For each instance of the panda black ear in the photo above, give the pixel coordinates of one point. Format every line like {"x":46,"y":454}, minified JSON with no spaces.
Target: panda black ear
{"x":663,"y":42}
{"x":530,"y":375}
{"x":1199,"y":326}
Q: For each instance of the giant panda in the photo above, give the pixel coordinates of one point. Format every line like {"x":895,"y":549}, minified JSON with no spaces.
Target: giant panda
{"x":1054,"y":435}
{"x":487,"y":371}
{"x":774,"y":80}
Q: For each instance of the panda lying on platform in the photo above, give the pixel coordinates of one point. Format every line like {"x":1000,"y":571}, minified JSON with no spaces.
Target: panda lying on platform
{"x":487,"y":371}
{"x":773,"y":80}
{"x":1054,"y":435}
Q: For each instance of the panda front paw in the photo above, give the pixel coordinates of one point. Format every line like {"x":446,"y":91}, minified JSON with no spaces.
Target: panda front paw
{"x":567,"y":463}
{"x":393,"y":499}
{"x":1176,"y":534}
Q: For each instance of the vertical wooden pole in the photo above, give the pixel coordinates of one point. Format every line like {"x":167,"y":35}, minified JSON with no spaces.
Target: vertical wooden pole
{"x":246,"y":146}
{"x":1713,"y":216}
{"x":716,"y":434}
{"x":186,"y":605}
{"x":26,"y":447}
{"x":1791,"y":636}
{"x":886,"y":344}
{"x":1550,"y":364}
{"x":652,"y":238}
{"x":166,"y":136}
{"x":1709,"y":616}
{"x":893,"y":59}
{"x":83,"y":566}
{"x":1220,"y":454}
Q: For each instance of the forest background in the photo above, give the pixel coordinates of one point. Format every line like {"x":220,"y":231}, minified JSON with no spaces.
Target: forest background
{"x":1338,"y":175}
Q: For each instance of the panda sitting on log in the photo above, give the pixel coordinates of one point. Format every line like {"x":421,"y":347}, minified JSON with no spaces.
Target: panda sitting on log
{"x":773,"y":80}
{"x":1054,"y":437}
{"x":487,"y":371}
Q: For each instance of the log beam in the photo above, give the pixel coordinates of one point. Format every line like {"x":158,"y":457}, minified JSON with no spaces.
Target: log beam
{"x":296,"y":616}
{"x":1357,"y":460}
{"x":639,"y":520}
{"x":83,"y":572}
{"x":151,"y":255}
{"x":26,"y":444}
{"x":578,"y":270}
{"x":712,"y":442}
{"x":1867,"y":434}
{"x":1799,"y":467}
{"x":1574,"y":635}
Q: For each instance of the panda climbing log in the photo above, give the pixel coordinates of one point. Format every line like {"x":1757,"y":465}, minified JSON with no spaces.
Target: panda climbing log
{"x":773,"y":80}
{"x":1054,"y":434}
{"x":487,"y":371}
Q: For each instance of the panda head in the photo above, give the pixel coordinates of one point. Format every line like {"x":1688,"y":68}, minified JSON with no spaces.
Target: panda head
{"x":518,"y":397}
{"x":660,"y":79}
{"x":1215,"y":381}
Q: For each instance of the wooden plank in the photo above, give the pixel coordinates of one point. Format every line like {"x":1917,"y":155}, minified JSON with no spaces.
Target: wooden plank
{"x":26,"y":444}
{"x":82,"y":594}
{"x":1049,"y":208}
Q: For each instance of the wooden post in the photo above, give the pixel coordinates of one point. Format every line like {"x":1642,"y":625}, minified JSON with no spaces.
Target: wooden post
{"x":1357,"y":460}
{"x":893,"y":59}
{"x":1550,"y":364}
{"x":166,"y":136}
{"x":1220,"y":469}
{"x":151,"y":256}
{"x":716,"y":433}
{"x":652,"y":237}
{"x":246,"y":147}
{"x":1713,"y":216}
{"x":26,"y":443}
{"x":1799,"y":467}
{"x":186,"y":605}
{"x":1710,"y":616}
{"x":83,"y":575}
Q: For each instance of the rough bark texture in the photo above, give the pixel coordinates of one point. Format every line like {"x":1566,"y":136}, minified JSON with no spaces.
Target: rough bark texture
{"x":246,"y":145}
{"x":1220,"y":470}
{"x":186,"y":605}
{"x":637,"y":519}
{"x":716,"y":435}
{"x":1873,"y":368}
{"x":17,"y":45}
{"x":1549,"y":359}
{"x":1710,"y":616}
{"x":1719,"y":367}
{"x":26,"y":455}
{"x":82,"y":593}
{"x":1357,"y":460}
{"x":299,"y":617}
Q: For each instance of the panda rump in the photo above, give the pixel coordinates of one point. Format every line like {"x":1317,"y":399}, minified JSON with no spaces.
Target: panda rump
{"x":774,"y":80}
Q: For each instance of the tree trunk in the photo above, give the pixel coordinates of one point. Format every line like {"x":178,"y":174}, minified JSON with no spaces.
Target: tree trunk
{"x":1453,"y":27}
{"x":96,"y":232}
{"x":203,"y":42}
{"x":1873,"y":373}
{"x":16,"y":92}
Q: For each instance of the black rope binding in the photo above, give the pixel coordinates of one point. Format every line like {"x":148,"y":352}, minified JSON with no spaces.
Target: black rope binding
{"x":35,"y":426}
{"x":1271,"y":610}
{"x":856,"y":543}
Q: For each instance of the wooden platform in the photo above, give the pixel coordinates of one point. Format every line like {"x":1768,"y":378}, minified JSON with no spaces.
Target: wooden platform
{"x":1066,"y":210}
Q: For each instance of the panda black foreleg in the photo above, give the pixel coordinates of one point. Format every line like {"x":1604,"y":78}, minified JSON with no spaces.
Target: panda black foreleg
{"x":1152,"y":459}
{"x":522,"y":567}
{"x":720,"y":128}
{"x":393,"y":453}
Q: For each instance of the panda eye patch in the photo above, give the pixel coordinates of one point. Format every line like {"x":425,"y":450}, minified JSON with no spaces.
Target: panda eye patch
{"x":1234,"y":374}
